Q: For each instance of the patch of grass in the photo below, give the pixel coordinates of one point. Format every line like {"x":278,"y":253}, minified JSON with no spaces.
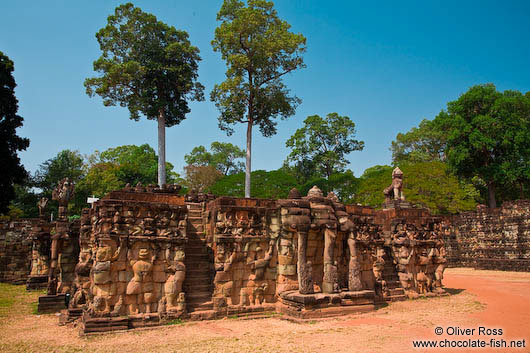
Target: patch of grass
{"x":35,"y":308}
{"x":15,"y":300}
{"x":177,"y":321}
{"x":312,"y":322}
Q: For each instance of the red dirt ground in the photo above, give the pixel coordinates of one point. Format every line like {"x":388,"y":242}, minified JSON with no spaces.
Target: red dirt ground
{"x":477,"y":298}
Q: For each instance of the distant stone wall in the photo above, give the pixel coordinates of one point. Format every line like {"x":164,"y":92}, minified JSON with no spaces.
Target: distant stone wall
{"x":15,"y":250}
{"x":494,"y":239}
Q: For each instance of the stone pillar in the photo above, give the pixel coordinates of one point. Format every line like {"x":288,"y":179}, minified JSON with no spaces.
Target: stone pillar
{"x":330,"y":280}
{"x":354,"y":269}
{"x":305,"y":276}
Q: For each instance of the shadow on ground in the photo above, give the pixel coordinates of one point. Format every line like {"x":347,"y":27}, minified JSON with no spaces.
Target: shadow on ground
{"x":454,"y":291}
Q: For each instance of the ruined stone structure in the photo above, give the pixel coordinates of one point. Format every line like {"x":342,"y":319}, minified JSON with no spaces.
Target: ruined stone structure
{"x":15,"y":250}
{"x":147,"y":255}
{"x":493,"y":239}
{"x":143,"y":256}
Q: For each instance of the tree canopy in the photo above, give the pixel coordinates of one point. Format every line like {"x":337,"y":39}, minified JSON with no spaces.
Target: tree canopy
{"x":324,"y":143}
{"x":259,"y":50}
{"x":223,"y":157}
{"x":148,"y":67}
{"x":267,"y":185}
{"x":10,"y":143}
{"x":113,"y":168}
{"x":66,"y":164}
{"x":487,"y":136}
{"x":429,"y":184}
{"x":200,"y":178}
{"x":424,"y":143}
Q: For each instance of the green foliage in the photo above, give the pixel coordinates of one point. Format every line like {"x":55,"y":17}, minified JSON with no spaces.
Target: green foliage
{"x":344,"y":185}
{"x":10,"y":143}
{"x":259,"y":50}
{"x":115,"y":167}
{"x":427,"y":183}
{"x":26,"y":199}
{"x":146,"y":66}
{"x":266,"y":185}
{"x":303,"y":170}
{"x":424,"y":143}
{"x":324,"y":143}
{"x":66,"y":163}
{"x":200,"y":178}
{"x":372,"y":183}
{"x":431,"y":184}
{"x":487,"y":136}
{"x":223,"y":157}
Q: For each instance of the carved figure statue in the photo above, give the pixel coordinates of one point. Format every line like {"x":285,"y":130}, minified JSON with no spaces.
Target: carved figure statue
{"x":42,"y":204}
{"x":354,"y":268}
{"x":173,"y":285}
{"x":395,"y":190}
{"x":379,"y":265}
{"x":440,"y":263}
{"x":141,"y":285}
{"x":102,"y":279}
{"x":258,"y":294}
{"x":224,"y":259}
{"x":63,"y":193}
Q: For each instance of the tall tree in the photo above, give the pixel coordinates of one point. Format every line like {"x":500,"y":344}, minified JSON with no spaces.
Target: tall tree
{"x":149,"y":67}
{"x":10,"y":143}
{"x":223,"y":157}
{"x":259,"y":50}
{"x":325,"y":142}
{"x":425,"y":143}
{"x":487,"y":136}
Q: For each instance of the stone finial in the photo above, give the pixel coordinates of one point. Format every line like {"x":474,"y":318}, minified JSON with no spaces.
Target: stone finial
{"x":294,"y":194}
{"x":397,"y":173}
{"x":315,"y":192}
{"x":42,"y":204}
{"x":332,"y":196}
{"x":64,"y":191}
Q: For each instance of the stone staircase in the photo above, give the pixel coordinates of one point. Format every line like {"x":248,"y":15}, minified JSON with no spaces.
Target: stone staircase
{"x":198,"y":284}
{"x":394,"y":291}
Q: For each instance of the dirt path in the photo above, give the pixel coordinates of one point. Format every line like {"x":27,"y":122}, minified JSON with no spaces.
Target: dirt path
{"x":478,"y":298}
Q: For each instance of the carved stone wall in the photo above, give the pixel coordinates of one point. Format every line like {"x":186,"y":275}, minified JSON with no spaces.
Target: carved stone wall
{"x":131,"y":259}
{"x":15,"y":250}
{"x":496,"y":239}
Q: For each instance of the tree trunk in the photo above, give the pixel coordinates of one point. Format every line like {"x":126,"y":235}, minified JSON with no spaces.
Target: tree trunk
{"x":491,"y":195}
{"x":248,"y":168}
{"x":161,"y":148}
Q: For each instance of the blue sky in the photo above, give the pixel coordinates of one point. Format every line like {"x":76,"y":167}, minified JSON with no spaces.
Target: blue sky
{"x":385,"y":64}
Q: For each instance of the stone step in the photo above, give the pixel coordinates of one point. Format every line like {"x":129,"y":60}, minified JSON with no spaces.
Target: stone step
{"x":192,"y":272}
{"x":396,"y":291}
{"x":396,"y":298}
{"x":199,"y":228}
{"x":202,"y":286}
{"x":197,"y":281}
{"x":195,"y":219}
{"x":196,"y":250}
{"x":202,"y":266}
{"x":202,"y":313}
{"x":193,"y":256}
{"x":196,"y":297}
{"x":196,"y":240}
{"x":194,"y":213}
